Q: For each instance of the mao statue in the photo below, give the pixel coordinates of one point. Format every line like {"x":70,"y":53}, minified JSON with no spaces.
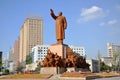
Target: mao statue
{"x":61,"y":25}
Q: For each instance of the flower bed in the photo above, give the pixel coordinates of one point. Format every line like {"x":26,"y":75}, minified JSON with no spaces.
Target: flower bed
{"x":107,"y":74}
{"x":76,"y":74}
{"x":85,"y":75}
{"x":16,"y":76}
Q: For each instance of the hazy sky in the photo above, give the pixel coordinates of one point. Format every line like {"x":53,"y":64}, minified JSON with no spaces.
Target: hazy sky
{"x":90,"y":23}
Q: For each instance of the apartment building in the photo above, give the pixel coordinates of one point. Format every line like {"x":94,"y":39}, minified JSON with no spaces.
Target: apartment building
{"x":31,"y":34}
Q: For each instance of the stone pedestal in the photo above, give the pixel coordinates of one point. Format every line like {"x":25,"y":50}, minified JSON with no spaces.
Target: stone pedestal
{"x":81,"y":70}
{"x":72,"y":69}
{"x":52,"y":70}
{"x":60,"y":49}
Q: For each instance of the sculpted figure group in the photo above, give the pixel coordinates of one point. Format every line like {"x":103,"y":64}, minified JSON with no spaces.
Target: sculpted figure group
{"x":53,"y":60}
{"x":73,"y":60}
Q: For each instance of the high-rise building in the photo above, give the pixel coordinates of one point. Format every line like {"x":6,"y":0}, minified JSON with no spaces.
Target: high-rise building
{"x":10,"y":55}
{"x":16,"y":52}
{"x":31,"y":34}
{"x":10,"y":65}
{"x":111,"y":48}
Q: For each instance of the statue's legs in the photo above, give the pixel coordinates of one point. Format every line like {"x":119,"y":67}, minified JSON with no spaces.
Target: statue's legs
{"x":60,"y":41}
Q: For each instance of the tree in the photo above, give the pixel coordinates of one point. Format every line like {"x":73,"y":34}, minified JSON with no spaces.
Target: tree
{"x":104,"y":67}
{"x":28,"y":59}
{"x":5,"y":71}
{"x":0,"y":64}
{"x":115,"y":59}
{"x":38,"y":67}
{"x":19,"y":69}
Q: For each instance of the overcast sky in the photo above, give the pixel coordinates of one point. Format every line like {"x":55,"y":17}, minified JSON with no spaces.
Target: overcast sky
{"x":90,"y":23}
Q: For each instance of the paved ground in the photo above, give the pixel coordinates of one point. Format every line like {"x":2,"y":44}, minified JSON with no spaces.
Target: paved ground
{"x":20,"y":79}
{"x":111,"y":78}
{"x":57,"y":77}
{"x":23,"y":79}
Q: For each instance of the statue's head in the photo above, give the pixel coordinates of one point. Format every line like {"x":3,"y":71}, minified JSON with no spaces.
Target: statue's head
{"x":59,"y":13}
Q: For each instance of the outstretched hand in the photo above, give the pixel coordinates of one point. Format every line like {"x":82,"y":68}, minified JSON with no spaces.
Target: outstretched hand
{"x":51,"y":10}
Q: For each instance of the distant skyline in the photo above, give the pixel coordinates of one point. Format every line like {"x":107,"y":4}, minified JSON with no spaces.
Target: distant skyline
{"x":90,"y":23}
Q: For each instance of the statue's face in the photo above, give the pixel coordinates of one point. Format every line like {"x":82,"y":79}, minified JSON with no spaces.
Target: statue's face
{"x":60,"y":13}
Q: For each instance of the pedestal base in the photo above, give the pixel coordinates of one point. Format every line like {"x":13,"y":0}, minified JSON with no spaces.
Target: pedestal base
{"x":72,"y":69}
{"x":60,"y":49}
{"x":52,"y":70}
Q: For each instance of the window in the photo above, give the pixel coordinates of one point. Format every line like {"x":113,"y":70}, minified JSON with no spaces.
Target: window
{"x":39,"y":50}
{"x":38,"y":47}
{"x":38,"y":55}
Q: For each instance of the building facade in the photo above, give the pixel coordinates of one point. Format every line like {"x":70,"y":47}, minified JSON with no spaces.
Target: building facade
{"x":39,"y":52}
{"x":107,"y":60}
{"x":10,"y":64}
{"x":10,"y":56}
{"x":31,"y":34}
{"x":16,"y":52}
{"x":112,"y":49}
{"x":78,"y":49}
{"x":94,"y":66}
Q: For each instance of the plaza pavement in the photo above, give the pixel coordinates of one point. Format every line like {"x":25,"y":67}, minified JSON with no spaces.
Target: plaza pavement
{"x":57,"y":77}
{"x":110,"y":78}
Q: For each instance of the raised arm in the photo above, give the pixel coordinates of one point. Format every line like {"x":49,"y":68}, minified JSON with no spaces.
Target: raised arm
{"x":52,"y":14}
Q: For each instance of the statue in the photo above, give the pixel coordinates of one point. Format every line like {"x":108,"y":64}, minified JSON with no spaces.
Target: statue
{"x":61,"y":25}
